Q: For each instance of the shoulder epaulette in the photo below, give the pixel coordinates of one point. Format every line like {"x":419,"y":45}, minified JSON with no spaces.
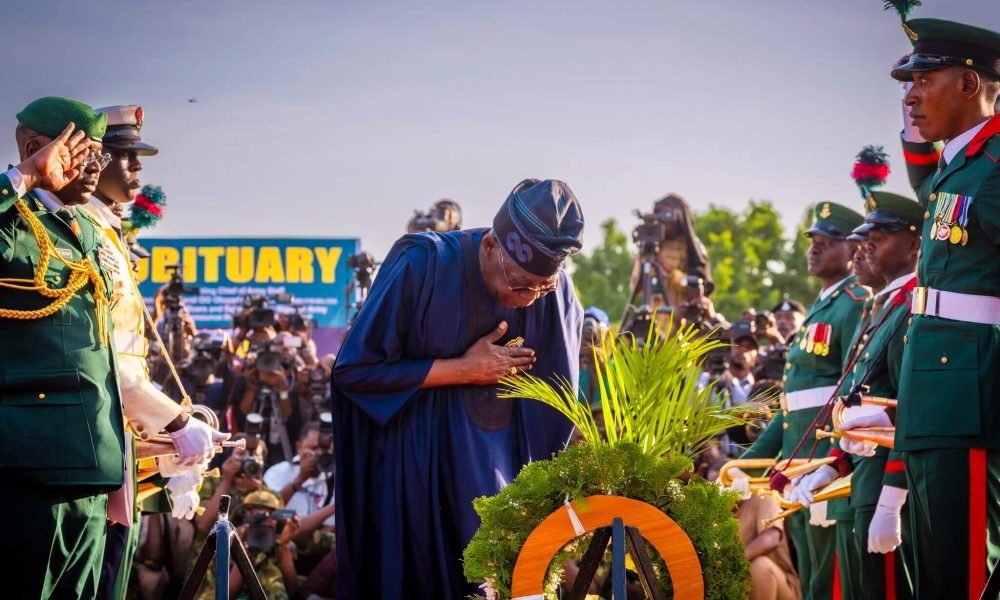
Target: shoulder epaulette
{"x":992,"y":148}
{"x":857,"y":292}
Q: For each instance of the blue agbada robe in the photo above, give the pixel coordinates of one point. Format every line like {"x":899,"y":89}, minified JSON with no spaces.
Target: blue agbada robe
{"x":410,"y":461}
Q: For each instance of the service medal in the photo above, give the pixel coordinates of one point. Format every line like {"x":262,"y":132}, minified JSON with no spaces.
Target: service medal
{"x":810,"y":345}
{"x":826,"y":349}
{"x":965,"y":236}
{"x":943,"y":232}
{"x":955,"y":236}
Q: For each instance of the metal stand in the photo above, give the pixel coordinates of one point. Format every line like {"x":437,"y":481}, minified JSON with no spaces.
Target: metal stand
{"x":623,"y":539}
{"x":221,"y":541}
{"x":636,"y":319}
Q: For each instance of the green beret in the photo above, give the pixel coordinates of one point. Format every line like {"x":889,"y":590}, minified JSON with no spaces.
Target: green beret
{"x":938,"y":43}
{"x":891,"y":213}
{"x":50,"y":115}
{"x":834,"y":221}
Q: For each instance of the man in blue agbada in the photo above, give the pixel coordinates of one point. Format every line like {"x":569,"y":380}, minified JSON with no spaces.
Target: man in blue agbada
{"x":420,"y":431}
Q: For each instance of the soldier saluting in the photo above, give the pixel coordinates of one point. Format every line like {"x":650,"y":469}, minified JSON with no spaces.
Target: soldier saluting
{"x":61,"y":430}
{"x":948,"y":420}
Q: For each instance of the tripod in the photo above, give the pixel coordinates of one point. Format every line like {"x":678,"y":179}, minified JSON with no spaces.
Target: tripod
{"x":637,"y":319}
{"x":221,"y":541}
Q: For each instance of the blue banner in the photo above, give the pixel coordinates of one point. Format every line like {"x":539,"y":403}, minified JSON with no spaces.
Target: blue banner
{"x":226,"y":270}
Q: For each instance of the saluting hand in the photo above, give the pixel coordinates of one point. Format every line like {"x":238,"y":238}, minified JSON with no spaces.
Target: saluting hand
{"x":484,"y":363}
{"x":57,"y":163}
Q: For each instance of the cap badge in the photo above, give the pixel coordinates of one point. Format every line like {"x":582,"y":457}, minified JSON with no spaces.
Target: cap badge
{"x":825,"y":212}
{"x":909,"y":32}
{"x":138,"y":117}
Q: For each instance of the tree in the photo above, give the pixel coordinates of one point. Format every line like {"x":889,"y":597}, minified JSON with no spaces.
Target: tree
{"x":753,"y":265}
{"x":601,"y":278}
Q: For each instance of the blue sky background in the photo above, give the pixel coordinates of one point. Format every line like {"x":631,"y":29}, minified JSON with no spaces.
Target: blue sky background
{"x":340,"y":118}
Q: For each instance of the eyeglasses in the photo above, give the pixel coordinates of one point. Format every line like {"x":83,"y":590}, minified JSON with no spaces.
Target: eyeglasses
{"x":525,"y":292}
{"x":101,"y":160}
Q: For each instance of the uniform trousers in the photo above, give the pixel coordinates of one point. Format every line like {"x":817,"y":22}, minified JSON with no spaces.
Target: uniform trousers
{"x":53,"y":541}
{"x":954,"y":504}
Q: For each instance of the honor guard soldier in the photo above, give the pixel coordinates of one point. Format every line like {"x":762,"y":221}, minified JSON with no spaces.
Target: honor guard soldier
{"x":148,"y":410}
{"x":948,"y":419}
{"x":878,"y":486}
{"x":815,"y":362}
{"x":62,"y":446}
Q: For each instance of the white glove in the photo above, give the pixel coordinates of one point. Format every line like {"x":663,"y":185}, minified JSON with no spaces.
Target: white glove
{"x":169,"y":466}
{"x":910,"y":133}
{"x":885,"y":531}
{"x":875,"y":419}
{"x":817,"y":515}
{"x":195,"y":442}
{"x":740,"y":483}
{"x":803,"y":492}
{"x":184,"y":494}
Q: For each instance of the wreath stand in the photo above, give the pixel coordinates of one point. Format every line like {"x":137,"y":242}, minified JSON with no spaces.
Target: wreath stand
{"x":627,"y":524}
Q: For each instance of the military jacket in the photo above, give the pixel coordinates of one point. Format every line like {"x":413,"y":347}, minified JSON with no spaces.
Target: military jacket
{"x":885,"y":331}
{"x":949,"y":390}
{"x":60,"y":409}
{"x":840,"y":509}
{"x":815,"y":359}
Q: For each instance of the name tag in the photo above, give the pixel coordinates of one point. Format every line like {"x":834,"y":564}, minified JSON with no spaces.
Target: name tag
{"x":65,"y":253}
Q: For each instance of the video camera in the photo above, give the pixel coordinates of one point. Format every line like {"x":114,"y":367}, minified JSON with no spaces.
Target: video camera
{"x":260,"y":313}
{"x":207,"y":354}
{"x":176,"y":288}
{"x":650,"y":232}
{"x":261,"y":533}
{"x":364,"y":265}
{"x":435,"y":219}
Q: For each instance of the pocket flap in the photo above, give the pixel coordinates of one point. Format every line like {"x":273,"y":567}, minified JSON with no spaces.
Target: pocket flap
{"x":32,"y":383}
{"x":939,"y":351}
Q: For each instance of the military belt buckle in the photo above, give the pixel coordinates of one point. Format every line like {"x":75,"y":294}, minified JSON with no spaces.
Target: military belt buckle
{"x":919,"y":301}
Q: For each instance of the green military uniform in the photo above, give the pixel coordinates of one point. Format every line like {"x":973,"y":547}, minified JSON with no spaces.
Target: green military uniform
{"x":815,"y":362}
{"x":848,"y":559}
{"x":61,"y":429}
{"x":948,"y":419}
{"x":877,"y":355}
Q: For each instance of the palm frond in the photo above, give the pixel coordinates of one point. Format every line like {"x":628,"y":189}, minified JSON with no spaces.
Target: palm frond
{"x":649,"y":394}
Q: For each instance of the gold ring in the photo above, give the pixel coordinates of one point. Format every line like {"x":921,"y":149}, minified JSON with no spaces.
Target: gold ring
{"x":513,"y":371}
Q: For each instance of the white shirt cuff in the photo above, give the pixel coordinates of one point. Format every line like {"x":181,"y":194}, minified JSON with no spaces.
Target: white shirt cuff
{"x":16,"y":180}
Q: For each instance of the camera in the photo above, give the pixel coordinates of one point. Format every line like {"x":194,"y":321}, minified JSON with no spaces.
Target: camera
{"x":763,"y":320}
{"x":252,"y":467}
{"x":324,"y":461}
{"x":261,"y":315}
{"x":267,"y":361}
{"x":650,"y":232}
{"x":207,"y":354}
{"x":176,"y":288}
{"x":437,"y":218}
{"x":772,"y":366}
{"x":262,"y":535}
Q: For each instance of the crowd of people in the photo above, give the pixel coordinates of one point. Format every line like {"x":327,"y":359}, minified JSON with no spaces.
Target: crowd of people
{"x":353,"y":476}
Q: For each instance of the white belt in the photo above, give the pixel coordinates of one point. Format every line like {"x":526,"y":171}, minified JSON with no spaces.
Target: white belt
{"x":810,"y":398}
{"x":130,"y":343}
{"x":957,"y":307}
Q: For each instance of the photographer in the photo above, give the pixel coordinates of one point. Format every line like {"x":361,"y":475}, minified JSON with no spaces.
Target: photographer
{"x":304,"y":486}
{"x":272,"y":391}
{"x":267,"y":532}
{"x":679,"y":253}
{"x":776,"y":328}
{"x":445,"y":215}
{"x":743,"y":356}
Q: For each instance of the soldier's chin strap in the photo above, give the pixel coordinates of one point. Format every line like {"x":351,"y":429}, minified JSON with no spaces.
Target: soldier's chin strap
{"x":185,"y":399}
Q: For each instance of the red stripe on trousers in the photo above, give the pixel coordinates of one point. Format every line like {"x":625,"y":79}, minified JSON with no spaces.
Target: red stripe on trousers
{"x":977,"y":522}
{"x":922,"y":159}
{"x":890,"y":576}
{"x":836,"y":579}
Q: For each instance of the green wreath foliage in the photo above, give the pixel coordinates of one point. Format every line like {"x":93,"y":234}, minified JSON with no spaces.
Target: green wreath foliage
{"x":703,"y":510}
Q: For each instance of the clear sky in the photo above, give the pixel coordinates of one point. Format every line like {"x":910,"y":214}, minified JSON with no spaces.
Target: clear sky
{"x":340,"y":118}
